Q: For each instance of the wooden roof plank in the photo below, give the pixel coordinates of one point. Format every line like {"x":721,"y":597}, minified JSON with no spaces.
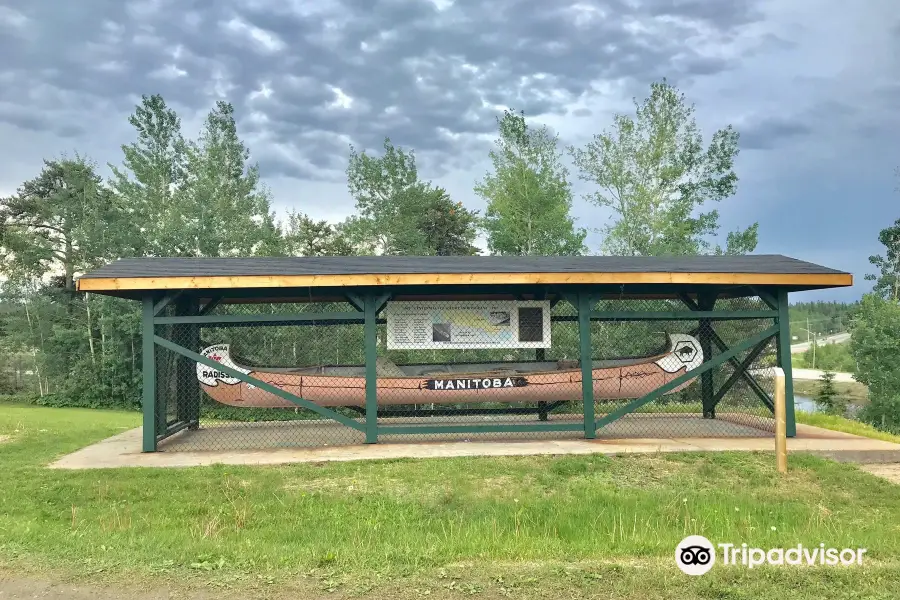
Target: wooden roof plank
{"x":155,"y":274}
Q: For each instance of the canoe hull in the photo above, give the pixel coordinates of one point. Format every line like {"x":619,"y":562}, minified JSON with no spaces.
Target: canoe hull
{"x":611,"y":383}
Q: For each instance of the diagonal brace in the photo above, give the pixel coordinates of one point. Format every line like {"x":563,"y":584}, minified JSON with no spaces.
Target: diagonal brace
{"x":745,"y":375}
{"x":267,"y":387}
{"x":741,"y":370}
{"x":166,"y":300}
{"x":723,"y":347}
{"x":683,"y":378}
{"x":359,"y":303}
{"x":765,"y":296}
{"x":381,"y":302}
{"x":209,"y":306}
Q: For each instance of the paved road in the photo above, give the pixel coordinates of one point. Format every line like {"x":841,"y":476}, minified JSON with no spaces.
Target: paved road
{"x":815,"y":374}
{"x":837,"y":338}
{"x":807,"y":374}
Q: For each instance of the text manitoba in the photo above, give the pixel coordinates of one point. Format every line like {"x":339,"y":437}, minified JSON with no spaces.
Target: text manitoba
{"x":475,"y":383}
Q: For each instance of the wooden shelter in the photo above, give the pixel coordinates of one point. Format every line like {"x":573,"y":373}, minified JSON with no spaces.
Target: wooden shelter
{"x":190,"y":294}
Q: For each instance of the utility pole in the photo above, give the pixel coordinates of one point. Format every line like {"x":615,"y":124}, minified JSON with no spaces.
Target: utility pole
{"x":814,"y":351}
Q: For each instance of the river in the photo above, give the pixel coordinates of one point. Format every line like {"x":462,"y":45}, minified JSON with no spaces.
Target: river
{"x":807,"y":404}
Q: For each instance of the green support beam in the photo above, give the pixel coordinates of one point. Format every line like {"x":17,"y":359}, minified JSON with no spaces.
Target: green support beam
{"x":370,"y":304}
{"x":706,"y":302}
{"x":585,"y":354}
{"x":165,"y":301}
{"x":148,"y":351}
{"x":682,"y":315}
{"x":187,"y":392}
{"x":359,"y":302}
{"x":689,"y":302}
{"x":266,"y":387}
{"x":541,"y":355}
{"x":784,"y":360}
{"x":767,"y":297}
{"x":209,"y":306}
{"x":266,"y":319}
{"x":706,"y":366}
{"x":381,"y":302}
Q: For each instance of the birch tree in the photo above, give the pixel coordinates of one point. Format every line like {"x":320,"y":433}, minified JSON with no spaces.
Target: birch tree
{"x":652,"y":171}
{"x":529,"y":197}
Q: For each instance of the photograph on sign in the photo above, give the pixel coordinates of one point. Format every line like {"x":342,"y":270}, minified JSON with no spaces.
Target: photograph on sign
{"x":460,"y":325}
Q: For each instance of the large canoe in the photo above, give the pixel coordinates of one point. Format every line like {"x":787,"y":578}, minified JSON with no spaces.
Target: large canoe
{"x":529,"y":381}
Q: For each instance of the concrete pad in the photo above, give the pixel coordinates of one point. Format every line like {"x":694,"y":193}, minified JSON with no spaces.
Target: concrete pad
{"x":123,"y":450}
{"x":322,"y":433}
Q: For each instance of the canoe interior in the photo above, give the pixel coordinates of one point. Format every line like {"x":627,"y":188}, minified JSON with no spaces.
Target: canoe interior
{"x":388,"y":369}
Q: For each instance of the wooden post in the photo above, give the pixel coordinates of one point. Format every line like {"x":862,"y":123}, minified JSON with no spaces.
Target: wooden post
{"x":780,"y":421}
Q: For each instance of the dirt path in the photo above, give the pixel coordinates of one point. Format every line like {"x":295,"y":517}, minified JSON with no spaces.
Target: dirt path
{"x":890,"y":471}
{"x":22,"y":588}
{"x":14,"y":586}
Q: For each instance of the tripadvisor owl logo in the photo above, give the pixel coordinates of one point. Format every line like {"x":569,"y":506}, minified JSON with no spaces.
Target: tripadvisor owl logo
{"x":695,"y":555}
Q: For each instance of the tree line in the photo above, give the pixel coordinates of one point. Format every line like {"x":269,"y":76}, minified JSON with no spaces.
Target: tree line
{"x":875,"y":329}
{"x":811,"y":320}
{"x":170,"y":194}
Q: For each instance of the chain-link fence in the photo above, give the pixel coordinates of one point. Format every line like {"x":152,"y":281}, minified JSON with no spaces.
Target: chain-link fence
{"x":289,"y":355}
{"x":718,"y":403}
{"x":460,"y":370}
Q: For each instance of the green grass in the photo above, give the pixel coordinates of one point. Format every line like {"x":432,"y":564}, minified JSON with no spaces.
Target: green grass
{"x":837,"y":423}
{"x":587,"y":526}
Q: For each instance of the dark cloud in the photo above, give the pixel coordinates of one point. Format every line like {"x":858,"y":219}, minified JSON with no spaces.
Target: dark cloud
{"x":768,"y":132}
{"x":357,"y":68}
{"x":813,"y":94}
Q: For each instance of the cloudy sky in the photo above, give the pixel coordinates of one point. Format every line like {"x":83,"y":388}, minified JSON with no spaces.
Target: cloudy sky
{"x":811,"y":85}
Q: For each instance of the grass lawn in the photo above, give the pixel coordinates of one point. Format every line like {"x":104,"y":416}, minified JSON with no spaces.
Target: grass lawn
{"x":837,"y":423}
{"x":519,"y":527}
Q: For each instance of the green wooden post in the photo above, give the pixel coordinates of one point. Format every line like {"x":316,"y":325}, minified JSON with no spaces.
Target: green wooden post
{"x":149,"y":374}
{"x":187,"y":386}
{"x":586,"y":355}
{"x":707,"y":302}
{"x":371,"y":341}
{"x":784,"y":360}
{"x":540,"y":355}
